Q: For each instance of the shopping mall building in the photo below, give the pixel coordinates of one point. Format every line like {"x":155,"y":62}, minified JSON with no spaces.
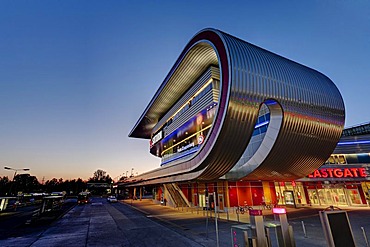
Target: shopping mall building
{"x":239,"y":122}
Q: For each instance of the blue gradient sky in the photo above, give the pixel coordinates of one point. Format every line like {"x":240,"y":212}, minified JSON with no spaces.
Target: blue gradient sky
{"x":76,"y":75}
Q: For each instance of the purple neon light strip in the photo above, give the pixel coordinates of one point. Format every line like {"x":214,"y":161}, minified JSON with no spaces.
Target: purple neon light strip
{"x":355,"y":142}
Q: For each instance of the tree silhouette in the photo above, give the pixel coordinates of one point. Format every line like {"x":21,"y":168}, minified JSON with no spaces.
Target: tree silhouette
{"x":100,"y":176}
{"x":26,"y":183}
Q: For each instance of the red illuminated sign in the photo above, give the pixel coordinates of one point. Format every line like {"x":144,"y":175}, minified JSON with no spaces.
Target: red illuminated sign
{"x":339,"y":173}
{"x":200,"y":139}
{"x":255,"y":212}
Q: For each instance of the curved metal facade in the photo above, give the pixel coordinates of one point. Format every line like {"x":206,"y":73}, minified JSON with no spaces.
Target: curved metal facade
{"x":310,"y":111}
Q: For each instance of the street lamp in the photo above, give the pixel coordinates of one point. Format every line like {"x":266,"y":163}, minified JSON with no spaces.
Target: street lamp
{"x":15,"y":173}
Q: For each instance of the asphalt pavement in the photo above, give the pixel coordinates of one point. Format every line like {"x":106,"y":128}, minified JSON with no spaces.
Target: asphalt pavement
{"x":145,"y":223}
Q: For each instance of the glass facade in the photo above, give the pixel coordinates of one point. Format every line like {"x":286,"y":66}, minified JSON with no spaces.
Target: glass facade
{"x":192,"y":121}
{"x":187,"y":139}
{"x":336,"y":194}
{"x":258,"y":135}
{"x":357,"y":130}
{"x":341,"y":159}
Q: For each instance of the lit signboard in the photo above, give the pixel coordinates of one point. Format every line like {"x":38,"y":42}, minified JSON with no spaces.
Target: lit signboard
{"x":339,"y":173}
{"x":157,"y":137}
{"x":279,"y":210}
{"x":255,"y":212}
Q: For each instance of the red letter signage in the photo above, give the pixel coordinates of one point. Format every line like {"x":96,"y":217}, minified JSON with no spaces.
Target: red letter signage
{"x":339,"y":173}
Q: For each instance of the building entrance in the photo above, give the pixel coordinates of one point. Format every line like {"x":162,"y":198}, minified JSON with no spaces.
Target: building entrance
{"x":221,"y":205}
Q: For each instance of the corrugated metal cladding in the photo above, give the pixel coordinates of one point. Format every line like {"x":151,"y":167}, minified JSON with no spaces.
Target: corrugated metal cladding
{"x":312,"y":121}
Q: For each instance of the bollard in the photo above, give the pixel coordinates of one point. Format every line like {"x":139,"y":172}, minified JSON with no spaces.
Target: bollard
{"x":304,"y":230}
{"x":365,"y":237}
{"x":269,"y":241}
{"x":237,"y":216}
{"x":207,"y":225}
{"x":287,"y":238}
{"x":227,"y":214}
{"x":257,"y":224}
{"x":216,"y":225}
{"x":291,"y":236}
{"x":246,"y":238}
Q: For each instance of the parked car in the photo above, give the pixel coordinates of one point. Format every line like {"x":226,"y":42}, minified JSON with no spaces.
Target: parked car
{"x":112,"y":199}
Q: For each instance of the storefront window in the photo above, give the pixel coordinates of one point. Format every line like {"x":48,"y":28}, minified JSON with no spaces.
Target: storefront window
{"x":366,"y":189}
{"x":314,"y":199}
{"x":289,"y":194}
{"x":354,"y":196}
{"x":299,"y":194}
{"x":324,"y":196}
{"x":279,"y":194}
{"x":339,"y":198}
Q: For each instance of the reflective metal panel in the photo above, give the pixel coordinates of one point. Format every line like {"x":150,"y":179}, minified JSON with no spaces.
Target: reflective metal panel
{"x":311,"y":118}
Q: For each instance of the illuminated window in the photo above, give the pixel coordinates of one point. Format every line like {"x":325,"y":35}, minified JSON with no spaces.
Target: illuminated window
{"x":342,"y":159}
{"x":331,"y":159}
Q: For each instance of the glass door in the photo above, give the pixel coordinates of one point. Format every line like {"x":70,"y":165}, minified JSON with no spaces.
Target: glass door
{"x":221,"y":202}
{"x":289,"y":197}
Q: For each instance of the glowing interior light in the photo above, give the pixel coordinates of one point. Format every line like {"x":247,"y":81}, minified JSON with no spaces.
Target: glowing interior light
{"x":261,"y":124}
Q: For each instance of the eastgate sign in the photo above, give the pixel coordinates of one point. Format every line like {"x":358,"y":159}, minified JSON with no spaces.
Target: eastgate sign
{"x":339,"y":173}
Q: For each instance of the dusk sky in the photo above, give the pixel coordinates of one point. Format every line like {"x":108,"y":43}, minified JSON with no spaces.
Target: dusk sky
{"x":75,"y":76}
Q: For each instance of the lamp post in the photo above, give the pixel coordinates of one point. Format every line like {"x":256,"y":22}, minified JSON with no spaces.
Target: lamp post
{"x":15,"y":173}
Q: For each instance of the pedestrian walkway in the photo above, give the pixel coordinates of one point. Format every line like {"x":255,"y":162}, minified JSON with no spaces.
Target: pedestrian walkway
{"x":148,"y":206}
{"x":177,"y":218}
{"x":102,"y":224}
{"x":135,"y":223}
